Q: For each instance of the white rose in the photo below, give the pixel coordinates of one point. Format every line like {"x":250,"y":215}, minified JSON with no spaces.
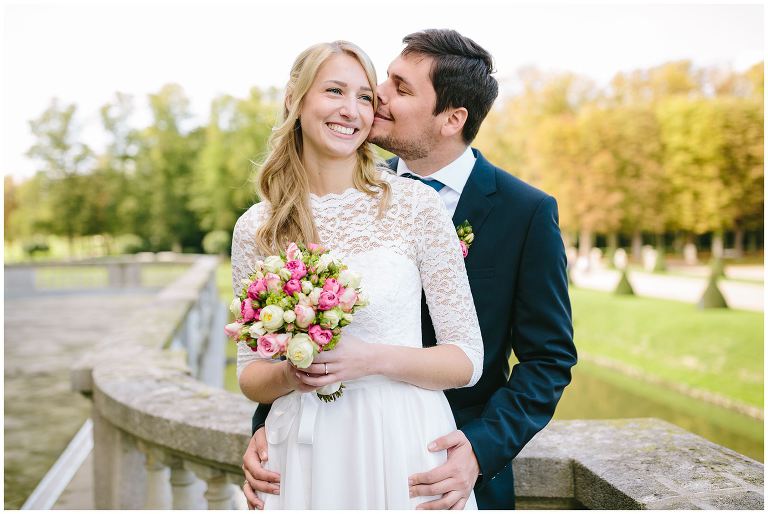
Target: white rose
{"x":332,"y":317}
{"x":348,"y":317}
{"x":314,"y":296}
{"x":284,"y":274}
{"x":257,"y":330}
{"x":234,"y":307}
{"x":306,"y":286}
{"x":272,"y":317}
{"x":349,"y":279}
{"x":301,"y":351}
{"x":362,"y":300}
{"x":289,"y":316}
{"x":259,"y":275}
{"x":259,"y":265}
{"x":245,"y":282}
{"x":325,"y":260}
{"x":273,"y":263}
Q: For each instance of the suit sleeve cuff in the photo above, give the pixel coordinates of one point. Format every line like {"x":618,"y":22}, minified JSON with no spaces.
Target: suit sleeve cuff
{"x":487,"y":456}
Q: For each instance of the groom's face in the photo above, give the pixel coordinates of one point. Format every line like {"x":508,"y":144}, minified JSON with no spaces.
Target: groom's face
{"x":404,"y":123}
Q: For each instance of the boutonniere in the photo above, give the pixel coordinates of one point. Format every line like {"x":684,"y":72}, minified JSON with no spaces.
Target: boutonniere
{"x":464,"y":231}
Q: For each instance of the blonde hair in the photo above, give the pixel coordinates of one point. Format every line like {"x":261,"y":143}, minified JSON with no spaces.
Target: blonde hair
{"x":282,"y":179}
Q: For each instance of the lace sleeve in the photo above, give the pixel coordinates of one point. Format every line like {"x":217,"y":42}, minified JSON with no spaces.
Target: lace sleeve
{"x":445,"y":282}
{"x":244,"y":256}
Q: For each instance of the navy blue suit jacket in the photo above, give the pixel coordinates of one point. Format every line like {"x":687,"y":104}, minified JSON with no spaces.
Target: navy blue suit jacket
{"x":516,"y":270}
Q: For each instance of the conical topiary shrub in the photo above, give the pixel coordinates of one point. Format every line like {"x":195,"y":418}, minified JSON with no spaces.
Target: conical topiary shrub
{"x":712,"y":297}
{"x":624,"y":287}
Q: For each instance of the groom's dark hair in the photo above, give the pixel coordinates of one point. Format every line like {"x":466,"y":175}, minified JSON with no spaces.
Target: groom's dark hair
{"x":461,"y":74}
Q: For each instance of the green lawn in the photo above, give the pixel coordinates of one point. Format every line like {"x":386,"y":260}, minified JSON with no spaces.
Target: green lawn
{"x":715,"y":350}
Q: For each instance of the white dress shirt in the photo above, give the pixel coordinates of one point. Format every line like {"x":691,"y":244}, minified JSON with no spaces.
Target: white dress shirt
{"x":454,"y":176}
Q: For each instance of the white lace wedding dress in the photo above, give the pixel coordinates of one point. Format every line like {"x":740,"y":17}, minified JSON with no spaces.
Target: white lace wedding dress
{"x":358,"y":452}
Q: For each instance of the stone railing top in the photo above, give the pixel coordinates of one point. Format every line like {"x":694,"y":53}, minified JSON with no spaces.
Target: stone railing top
{"x":637,"y":464}
{"x":146,"y":330}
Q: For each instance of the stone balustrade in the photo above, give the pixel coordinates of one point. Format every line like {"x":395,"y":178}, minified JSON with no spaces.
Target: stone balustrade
{"x":163,"y":438}
{"x":93,"y":273}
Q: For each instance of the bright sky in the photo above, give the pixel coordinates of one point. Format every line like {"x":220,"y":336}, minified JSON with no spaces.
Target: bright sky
{"x":83,"y":52}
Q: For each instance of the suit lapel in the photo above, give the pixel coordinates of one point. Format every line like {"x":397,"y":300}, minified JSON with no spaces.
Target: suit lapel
{"x":474,"y":204}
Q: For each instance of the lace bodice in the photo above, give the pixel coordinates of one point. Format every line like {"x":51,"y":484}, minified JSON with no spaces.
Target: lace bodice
{"x":413,"y":245}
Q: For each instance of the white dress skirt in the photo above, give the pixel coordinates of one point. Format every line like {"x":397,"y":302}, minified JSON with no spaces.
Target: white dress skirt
{"x":358,"y":451}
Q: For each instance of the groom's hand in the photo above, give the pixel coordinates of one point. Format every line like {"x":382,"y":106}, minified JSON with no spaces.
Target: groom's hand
{"x":256,"y":477}
{"x":453,"y":480}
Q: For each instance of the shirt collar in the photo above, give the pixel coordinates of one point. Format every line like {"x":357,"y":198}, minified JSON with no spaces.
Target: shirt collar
{"x":454,"y":175}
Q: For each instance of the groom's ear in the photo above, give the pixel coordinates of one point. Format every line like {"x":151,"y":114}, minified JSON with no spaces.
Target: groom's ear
{"x":454,"y":121}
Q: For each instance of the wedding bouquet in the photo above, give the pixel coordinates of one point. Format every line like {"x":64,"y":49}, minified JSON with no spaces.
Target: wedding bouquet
{"x":294,"y":305}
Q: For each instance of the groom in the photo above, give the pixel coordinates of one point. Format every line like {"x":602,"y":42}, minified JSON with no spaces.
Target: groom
{"x":437,"y":93}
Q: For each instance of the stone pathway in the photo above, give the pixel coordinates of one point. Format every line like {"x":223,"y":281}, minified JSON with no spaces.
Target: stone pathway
{"x":739,"y":295}
{"x":44,"y":336}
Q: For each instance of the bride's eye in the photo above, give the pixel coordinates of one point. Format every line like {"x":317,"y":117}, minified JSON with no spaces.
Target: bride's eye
{"x":334,"y":90}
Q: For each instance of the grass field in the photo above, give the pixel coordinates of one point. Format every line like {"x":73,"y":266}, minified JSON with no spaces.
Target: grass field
{"x":720,"y":351}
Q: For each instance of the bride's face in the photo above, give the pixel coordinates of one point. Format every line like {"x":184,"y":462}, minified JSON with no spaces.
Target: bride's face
{"x":337,"y":112}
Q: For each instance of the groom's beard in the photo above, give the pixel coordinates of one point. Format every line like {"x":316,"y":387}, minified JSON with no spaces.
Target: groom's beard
{"x":408,"y":150}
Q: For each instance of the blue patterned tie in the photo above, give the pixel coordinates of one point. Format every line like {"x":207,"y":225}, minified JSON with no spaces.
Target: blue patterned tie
{"x":434,"y":184}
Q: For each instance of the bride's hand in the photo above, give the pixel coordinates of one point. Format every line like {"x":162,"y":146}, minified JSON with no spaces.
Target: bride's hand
{"x":294,"y":377}
{"x":351,"y":358}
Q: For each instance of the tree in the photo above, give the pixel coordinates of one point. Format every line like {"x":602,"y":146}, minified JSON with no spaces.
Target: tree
{"x":63,"y":159}
{"x":164,"y":171}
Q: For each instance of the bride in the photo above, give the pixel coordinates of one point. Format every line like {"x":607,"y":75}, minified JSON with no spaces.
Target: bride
{"x":322,"y":183}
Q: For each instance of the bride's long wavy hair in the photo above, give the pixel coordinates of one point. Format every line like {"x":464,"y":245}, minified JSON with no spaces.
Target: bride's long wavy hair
{"x":282,"y":179}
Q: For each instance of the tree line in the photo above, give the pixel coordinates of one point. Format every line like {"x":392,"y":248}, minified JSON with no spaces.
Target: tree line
{"x":670,"y":150}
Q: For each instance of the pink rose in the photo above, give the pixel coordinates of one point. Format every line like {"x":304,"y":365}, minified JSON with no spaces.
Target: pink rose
{"x":257,"y":315}
{"x":292,"y":252}
{"x":327,"y":300}
{"x":315,"y":248}
{"x":292,"y":286}
{"x":233,"y":329}
{"x":297,"y":268}
{"x":256,"y":288}
{"x":464,"y":249}
{"x":247,"y":310}
{"x":332,"y":285}
{"x":273,"y":282}
{"x":320,"y":335}
{"x":304,"y":315}
{"x":270,"y":344}
{"x":347,"y":299}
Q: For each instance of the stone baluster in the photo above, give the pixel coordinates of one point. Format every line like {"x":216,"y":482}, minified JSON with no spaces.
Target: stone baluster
{"x":158,"y":495}
{"x":186,"y":487}
{"x":219,"y":491}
